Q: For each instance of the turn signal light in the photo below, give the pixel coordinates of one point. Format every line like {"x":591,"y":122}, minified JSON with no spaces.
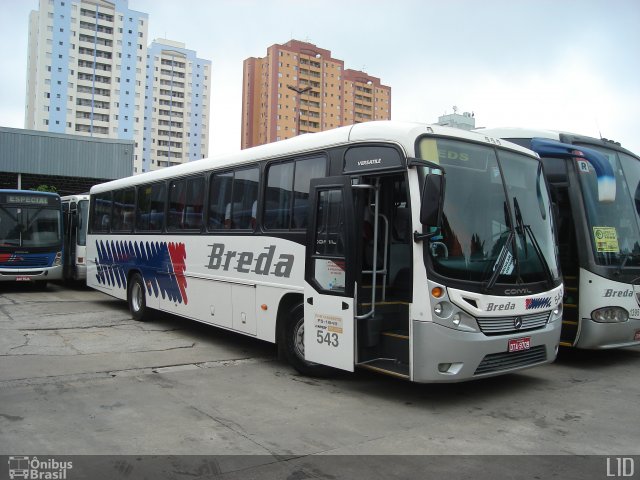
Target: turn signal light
{"x":437,"y":292}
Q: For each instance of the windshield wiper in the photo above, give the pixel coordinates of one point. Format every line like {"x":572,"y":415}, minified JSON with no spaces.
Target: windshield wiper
{"x":627,"y":257}
{"x":526,"y":229}
{"x":504,"y":254}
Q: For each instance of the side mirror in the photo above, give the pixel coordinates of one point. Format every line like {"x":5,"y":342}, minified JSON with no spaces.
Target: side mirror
{"x":432,"y":200}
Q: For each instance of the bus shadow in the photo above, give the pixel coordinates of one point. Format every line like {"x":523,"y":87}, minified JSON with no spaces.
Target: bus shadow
{"x":361,"y":381}
{"x":472,"y":391}
{"x":207,"y":333}
{"x":597,"y":359}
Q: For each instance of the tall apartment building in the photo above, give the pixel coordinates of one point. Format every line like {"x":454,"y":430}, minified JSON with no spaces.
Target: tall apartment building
{"x":87,"y":72}
{"x":176,"y":108}
{"x":300,"y":88}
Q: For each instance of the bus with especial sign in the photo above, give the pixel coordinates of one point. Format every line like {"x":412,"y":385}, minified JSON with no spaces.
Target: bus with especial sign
{"x":30,"y":236}
{"x":417,"y":251}
{"x":595,"y":184}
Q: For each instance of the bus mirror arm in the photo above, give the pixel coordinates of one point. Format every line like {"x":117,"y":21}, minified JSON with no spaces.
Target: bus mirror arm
{"x":431,"y":205}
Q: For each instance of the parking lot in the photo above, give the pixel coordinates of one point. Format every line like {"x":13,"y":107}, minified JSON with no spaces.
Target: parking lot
{"x":79,"y":376}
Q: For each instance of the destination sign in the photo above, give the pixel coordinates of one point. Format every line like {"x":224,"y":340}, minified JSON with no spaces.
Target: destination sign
{"x":26,"y":199}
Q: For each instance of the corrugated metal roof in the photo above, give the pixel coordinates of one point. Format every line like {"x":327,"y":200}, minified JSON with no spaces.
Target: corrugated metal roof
{"x":45,"y":153}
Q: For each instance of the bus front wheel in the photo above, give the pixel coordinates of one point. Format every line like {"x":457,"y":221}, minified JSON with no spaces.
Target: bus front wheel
{"x":294,"y":346}
{"x":137,"y":299}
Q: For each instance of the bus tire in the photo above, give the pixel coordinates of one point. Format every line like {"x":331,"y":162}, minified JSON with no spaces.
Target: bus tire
{"x":294,"y":346}
{"x":137,"y":299}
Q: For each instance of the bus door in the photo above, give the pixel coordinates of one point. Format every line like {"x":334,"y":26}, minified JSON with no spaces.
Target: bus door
{"x":329,"y":324}
{"x":70,"y":210}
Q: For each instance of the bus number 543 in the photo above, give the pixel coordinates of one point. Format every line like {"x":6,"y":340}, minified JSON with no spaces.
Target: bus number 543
{"x":330,"y":339}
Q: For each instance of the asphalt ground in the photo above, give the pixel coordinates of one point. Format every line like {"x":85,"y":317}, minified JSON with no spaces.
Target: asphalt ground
{"x":79,"y":377}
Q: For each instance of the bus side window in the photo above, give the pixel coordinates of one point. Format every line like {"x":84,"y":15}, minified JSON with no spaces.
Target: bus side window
{"x":123,"y":210}
{"x":277,"y":212}
{"x":177,"y":198}
{"x":219,"y":198}
{"x":101,"y":207}
{"x":305,"y":170}
{"x":245,"y":193}
{"x":150,"y":212}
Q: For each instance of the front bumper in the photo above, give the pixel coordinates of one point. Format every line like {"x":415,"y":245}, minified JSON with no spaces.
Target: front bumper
{"x":475,"y":355}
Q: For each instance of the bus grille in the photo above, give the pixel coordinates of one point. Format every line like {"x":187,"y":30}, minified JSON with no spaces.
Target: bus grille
{"x":498,"y":362}
{"x":22,"y":261}
{"x":501,"y":325}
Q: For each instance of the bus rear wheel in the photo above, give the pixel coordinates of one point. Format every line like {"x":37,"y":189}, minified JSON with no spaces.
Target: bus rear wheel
{"x":294,"y":346}
{"x":136,"y":297}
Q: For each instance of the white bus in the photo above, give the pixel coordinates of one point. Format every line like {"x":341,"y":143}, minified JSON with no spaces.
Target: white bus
{"x":76,"y":215}
{"x":343,"y":248}
{"x":595,"y":184}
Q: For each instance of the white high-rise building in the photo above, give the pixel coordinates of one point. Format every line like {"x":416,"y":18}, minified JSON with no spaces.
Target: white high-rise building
{"x":176,"y":109}
{"x":87,"y":75}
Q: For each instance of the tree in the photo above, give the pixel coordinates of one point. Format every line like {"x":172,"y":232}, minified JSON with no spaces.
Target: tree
{"x":45,"y":188}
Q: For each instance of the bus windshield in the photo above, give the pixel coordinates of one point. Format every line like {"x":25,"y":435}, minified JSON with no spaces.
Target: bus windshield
{"x":614,"y":226}
{"x":497,"y":222}
{"x":27,"y":226}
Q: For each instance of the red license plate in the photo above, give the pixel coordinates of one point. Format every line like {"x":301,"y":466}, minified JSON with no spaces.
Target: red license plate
{"x":23,"y":279}
{"x":519,"y":344}
{"x":637,"y":336}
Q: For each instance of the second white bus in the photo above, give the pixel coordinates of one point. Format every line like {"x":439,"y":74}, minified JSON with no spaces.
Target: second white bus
{"x":595,"y":184}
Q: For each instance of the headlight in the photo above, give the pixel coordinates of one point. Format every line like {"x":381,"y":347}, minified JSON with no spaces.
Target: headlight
{"x":610,"y":315}
{"x":556,"y":314}
{"x":58,"y":260}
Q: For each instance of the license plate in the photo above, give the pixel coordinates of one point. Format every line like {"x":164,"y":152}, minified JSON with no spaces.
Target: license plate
{"x":637,"y":336}
{"x":519,"y":344}
{"x":23,"y":279}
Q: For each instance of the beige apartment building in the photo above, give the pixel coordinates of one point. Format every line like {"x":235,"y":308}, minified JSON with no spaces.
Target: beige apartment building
{"x":300,"y":88}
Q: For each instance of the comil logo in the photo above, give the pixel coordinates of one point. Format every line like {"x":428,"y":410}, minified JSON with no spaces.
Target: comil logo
{"x":35,"y":469}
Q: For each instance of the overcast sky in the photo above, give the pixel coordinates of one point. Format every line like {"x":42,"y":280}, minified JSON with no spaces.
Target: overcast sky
{"x":569,"y":65}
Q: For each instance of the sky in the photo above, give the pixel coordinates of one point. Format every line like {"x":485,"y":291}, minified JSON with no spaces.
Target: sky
{"x":571,"y":65}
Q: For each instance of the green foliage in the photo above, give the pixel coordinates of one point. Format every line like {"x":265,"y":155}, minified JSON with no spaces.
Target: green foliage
{"x":45,"y":188}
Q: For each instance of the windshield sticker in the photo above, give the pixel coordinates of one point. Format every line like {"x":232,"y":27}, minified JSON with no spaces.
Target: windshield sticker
{"x":429,"y":150}
{"x":583,"y":166}
{"x":606,"y":239}
{"x":508,"y":265}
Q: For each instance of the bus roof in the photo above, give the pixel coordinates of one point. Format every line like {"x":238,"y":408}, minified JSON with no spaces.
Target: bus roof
{"x":403,"y":134}
{"x":75,"y":198}
{"x":30,"y":192}
{"x":559,"y":135}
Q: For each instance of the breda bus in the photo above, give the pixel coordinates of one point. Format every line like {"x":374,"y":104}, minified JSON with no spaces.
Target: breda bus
{"x":30,"y":236}
{"x":76,"y":215}
{"x":595,"y":184}
{"x":345,"y":248}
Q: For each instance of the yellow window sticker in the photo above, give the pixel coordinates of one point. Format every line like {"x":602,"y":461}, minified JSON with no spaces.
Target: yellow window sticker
{"x":429,"y":150}
{"x":606,"y":239}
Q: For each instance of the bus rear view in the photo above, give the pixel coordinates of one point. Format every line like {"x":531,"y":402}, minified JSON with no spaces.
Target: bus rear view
{"x":30,"y":236}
